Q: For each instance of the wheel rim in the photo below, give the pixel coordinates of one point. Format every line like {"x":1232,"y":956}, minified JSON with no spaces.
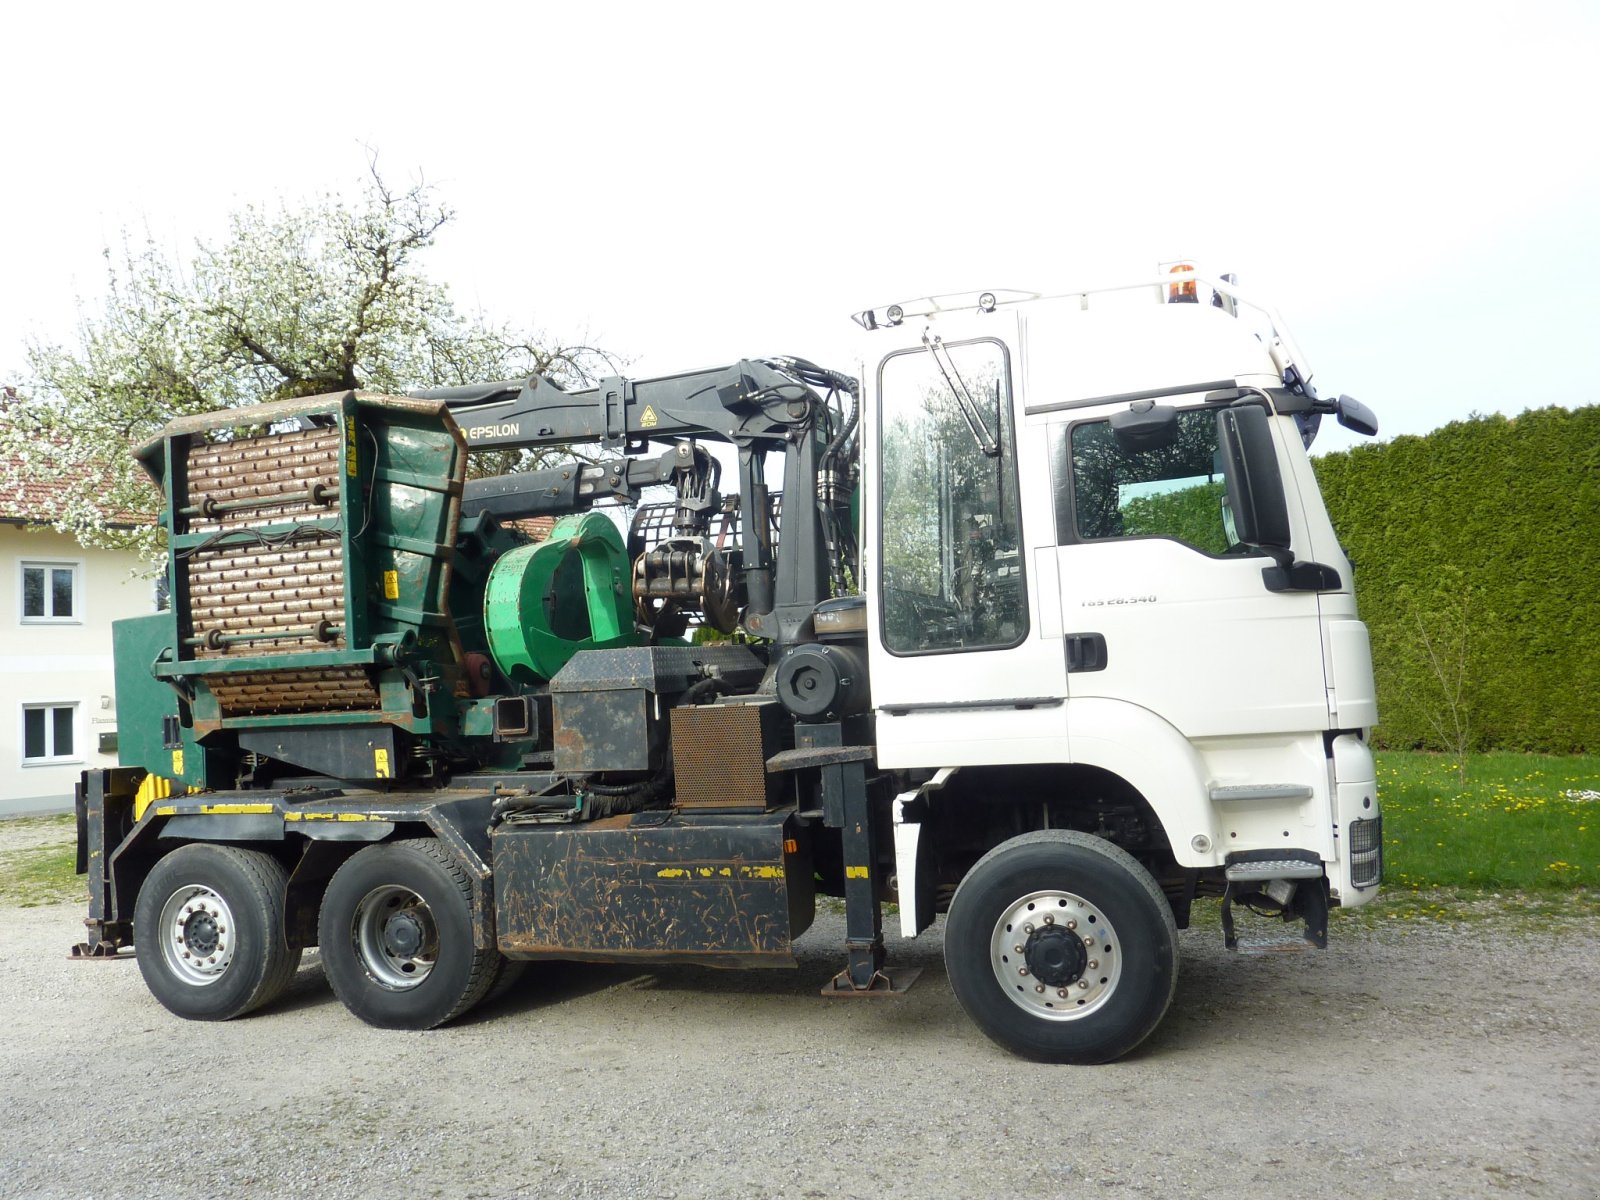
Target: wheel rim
{"x":396,"y":939}
{"x":1055,"y":955}
{"x":197,"y":935}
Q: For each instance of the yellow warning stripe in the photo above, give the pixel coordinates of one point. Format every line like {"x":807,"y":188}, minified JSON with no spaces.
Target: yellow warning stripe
{"x":217,"y":810}
{"x":740,"y":872}
{"x":328,"y":816}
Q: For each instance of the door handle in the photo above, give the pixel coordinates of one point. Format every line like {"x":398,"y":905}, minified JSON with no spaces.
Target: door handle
{"x":1085,"y":651}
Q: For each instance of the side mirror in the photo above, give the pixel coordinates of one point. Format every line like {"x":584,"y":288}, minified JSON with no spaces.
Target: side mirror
{"x":1145,"y":425}
{"x":1255,"y":484}
{"x":1356,"y":416}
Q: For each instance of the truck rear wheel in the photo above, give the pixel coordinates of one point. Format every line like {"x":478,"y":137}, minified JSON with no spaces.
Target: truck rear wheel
{"x":208,"y":929}
{"x":396,"y":936}
{"x":1061,"y":947}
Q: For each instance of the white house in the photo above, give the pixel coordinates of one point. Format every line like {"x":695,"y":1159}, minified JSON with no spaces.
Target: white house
{"x":57,"y":698}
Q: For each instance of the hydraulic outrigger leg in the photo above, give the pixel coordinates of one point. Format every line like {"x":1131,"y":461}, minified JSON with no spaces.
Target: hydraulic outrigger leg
{"x":845,"y":806}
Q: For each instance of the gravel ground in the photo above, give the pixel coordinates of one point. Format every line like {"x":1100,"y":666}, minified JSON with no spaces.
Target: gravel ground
{"x":31,"y":833}
{"x":1455,"y":1060}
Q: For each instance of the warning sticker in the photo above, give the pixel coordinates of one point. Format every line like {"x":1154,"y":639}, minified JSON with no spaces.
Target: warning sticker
{"x":648,"y":418}
{"x":380,"y":763}
{"x":391,"y":585}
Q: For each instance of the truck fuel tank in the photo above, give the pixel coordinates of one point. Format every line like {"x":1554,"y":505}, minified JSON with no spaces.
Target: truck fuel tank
{"x":716,"y":889}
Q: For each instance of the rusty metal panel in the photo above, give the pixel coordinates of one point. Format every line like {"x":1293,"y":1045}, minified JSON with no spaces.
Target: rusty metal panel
{"x":720,"y":752}
{"x":727,"y":891}
{"x":606,"y":731}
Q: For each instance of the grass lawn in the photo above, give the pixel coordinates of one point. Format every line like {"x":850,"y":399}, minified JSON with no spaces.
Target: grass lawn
{"x":1527,"y":822}
{"x":41,"y":873}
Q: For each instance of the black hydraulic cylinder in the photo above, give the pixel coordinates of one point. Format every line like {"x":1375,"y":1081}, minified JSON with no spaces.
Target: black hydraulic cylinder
{"x":802,"y":556}
{"x":755,"y":524}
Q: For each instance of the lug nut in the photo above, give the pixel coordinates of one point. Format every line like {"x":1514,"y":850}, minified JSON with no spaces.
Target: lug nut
{"x":1049,"y":919}
{"x":1038,"y":987}
{"x":1017,"y":949}
{"x":1062,"y":992}
{"x":1094,"y":964}
{"x":1088,"y":940}
{"x":1027,"y":929}
{"x":1083,"y":985}
{"x":1072,"y":923}
{"x":1022,"y":970}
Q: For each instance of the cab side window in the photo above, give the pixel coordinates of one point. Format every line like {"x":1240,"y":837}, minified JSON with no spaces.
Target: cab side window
{"x":1174,"y":490}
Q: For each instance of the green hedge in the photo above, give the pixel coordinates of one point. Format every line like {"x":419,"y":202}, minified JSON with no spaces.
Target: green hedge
{"x":1477,"y":552}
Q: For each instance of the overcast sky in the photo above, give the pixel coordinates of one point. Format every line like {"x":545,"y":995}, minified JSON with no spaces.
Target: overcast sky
{"x":1416,"y":187}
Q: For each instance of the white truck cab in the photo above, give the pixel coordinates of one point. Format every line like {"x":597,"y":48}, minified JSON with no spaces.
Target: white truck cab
{"x":1105,"y":599}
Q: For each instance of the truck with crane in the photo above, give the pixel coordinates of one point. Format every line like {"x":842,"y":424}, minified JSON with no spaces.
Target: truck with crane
{"x":1046,"y":630}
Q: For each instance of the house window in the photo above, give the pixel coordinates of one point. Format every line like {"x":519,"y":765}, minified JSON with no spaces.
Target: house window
{"x":49,"y":733}
{"x":50,"y":592}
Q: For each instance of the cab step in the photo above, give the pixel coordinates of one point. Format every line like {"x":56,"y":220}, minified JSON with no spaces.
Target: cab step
{"x":1305,"y":900}
{"x":1273,"y":868}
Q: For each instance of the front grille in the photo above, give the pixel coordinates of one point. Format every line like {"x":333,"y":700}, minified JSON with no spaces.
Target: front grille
{"x":1366,"y":852}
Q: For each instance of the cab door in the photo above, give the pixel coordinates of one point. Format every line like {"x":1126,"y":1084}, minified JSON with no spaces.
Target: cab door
{"x":965,"y":652}
{"x":1160,"y":607}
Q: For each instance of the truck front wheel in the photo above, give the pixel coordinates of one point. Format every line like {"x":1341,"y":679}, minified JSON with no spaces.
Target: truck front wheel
{"x":1061,"y":947}
{"x":208,"y":928}
{"x":396,"y":936}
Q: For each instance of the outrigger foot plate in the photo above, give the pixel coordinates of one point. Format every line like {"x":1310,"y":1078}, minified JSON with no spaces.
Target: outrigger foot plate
{"x":100,"y":952}
{"x":884,"y":983}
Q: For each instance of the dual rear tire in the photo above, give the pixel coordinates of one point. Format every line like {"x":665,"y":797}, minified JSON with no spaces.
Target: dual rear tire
{"x":209,"y":931}
{"x":395,"y":931}
{"x":396,"y":937}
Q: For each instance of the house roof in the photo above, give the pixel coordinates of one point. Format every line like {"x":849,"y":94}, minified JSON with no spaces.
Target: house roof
{"x":537,"y":528}
{"x":25,"y":501}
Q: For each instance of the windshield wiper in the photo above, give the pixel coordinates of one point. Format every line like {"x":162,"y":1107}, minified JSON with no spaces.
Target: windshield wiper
{"x":987,"y":442}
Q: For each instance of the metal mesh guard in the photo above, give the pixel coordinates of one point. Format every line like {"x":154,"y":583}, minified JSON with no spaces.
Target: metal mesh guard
{"x":1366,"y":851}
{"x":719,"y":757}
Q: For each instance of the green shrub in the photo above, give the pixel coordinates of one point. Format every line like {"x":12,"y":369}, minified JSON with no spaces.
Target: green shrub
{"x":1482,"y":538}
